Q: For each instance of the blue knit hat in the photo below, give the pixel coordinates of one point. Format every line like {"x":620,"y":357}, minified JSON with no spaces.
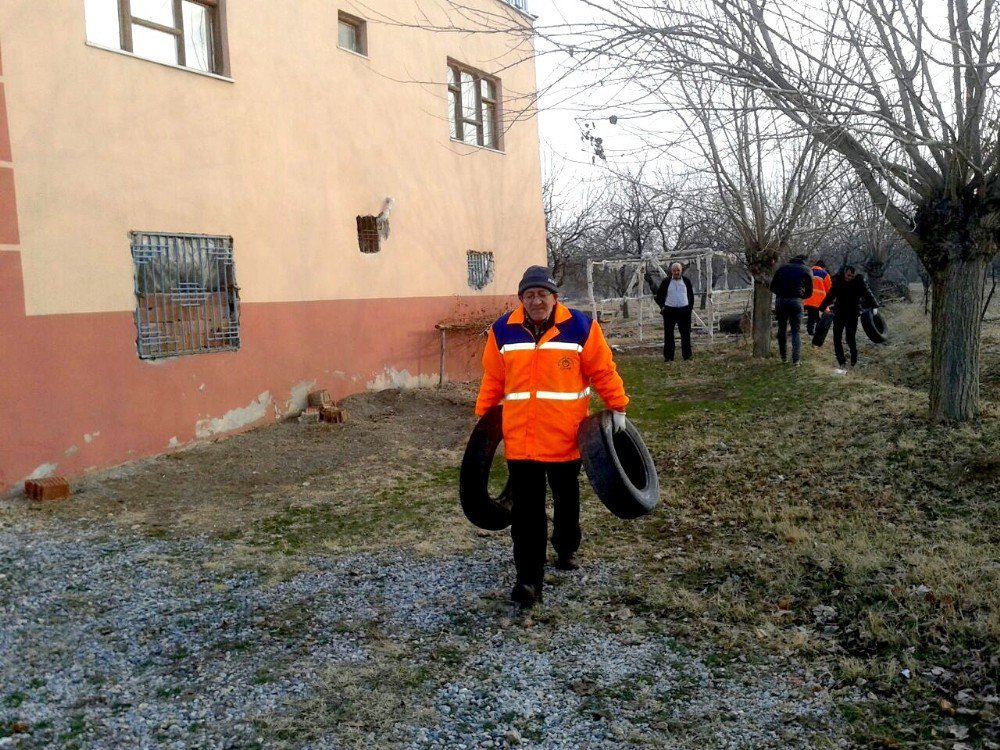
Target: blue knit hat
{"x":537,"y":277}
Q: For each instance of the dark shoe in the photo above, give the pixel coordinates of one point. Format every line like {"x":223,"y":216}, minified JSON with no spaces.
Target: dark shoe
{"x":568,"y":562}
{"x":525,"y":594}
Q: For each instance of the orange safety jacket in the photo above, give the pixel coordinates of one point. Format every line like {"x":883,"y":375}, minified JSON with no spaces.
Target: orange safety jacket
{"x":545,"y":386}
{"x":821,"y":285}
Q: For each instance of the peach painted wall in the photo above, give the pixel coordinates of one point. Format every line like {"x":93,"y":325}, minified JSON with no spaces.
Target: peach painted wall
{"x":75,"y":396}
{"x":304,"y":137}
{"x":283,"y":157}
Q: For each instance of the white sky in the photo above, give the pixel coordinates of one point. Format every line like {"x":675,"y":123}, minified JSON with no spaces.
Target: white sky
{"x":564,"y":106}
{"x":566,"y":102}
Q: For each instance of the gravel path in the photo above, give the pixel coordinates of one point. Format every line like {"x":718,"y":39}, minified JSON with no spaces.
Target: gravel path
{"x":111,"y":640}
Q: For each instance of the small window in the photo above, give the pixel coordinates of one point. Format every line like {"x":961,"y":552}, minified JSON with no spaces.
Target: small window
{"x":352,"y":34}
{"x":188,"y":33}
{"x":473,"y":106}
{"x":480,"y":268}
{"x":187,"y":301}
{"x":368,"y":234}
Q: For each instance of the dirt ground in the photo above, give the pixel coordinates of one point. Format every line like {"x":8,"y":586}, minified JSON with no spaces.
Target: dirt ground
{"x":850,"y":543}
{"x":220,"y":487}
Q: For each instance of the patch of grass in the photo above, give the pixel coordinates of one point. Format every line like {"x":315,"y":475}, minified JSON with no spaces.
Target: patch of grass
{"x":406,"y":512}
{"x":356,"y":702}
{"x":77,"y":726}
{"x":14,"y":699}
{"x":822,"y":516}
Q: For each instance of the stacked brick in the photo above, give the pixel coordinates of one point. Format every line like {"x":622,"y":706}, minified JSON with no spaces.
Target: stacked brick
{"x":50,"y":488}
{"x":322,"y":408}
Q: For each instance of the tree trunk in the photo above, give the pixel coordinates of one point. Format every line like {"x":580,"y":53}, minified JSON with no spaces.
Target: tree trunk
{"x":761,"y":320}
{"x":558,"y":268}
{"x":956,"y":304}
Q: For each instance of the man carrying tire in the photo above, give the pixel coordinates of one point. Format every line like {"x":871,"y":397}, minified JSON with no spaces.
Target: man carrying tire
{"x":822,"y":282}
{"x":540,"y":361}
{"x":848,"y":293}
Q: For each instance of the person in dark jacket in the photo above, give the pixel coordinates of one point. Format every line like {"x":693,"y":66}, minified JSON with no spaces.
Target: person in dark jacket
{"x":675,"y":298}
{"x":791,"y":283}
{"x":847,"y":295}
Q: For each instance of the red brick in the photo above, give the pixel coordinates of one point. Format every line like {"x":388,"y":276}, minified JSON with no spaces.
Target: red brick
{"x":50,"y":488}
{"x":333,"y":414}
{"x":320,"y":398}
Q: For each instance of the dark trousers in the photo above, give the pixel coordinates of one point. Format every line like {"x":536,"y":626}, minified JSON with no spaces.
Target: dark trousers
{"x":789,"y":314}
{"x":529,"y":525}
{"x":848,"y":325}
{"x":680,"y":317}
{"x":812,"y":318}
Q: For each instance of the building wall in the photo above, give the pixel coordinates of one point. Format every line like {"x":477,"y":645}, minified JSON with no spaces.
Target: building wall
{"x":304,"y":137}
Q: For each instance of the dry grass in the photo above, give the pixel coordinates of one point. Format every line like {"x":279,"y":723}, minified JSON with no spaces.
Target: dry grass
{"x":816,"y":517}
{"x":825,"y":517}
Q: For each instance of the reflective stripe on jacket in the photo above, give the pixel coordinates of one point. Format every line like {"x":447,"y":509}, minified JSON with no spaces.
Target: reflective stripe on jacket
{"x":822,"y":282}
{"x":545,"y":386}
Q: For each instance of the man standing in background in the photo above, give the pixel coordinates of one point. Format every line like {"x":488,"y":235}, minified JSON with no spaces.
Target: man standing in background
{"x":675,"y":298}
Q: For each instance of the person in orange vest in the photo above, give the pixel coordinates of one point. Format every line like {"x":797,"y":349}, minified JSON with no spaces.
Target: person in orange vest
{"x":540,"y":362}
{"x":822,"y":281}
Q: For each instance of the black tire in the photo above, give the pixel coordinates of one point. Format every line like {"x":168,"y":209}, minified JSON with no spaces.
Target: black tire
{"x":619,"y":466}
{"x":482,"y":509}
{"x":875,"y":327}
{"x":822,"y":329}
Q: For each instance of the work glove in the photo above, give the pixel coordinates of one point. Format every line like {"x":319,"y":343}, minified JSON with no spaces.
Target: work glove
{"x":617,"y":421}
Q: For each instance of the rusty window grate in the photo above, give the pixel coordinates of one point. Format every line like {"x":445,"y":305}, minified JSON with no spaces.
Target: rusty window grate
{"x":368,"y":235}
{"x":481,"y":267}
{"x":187,"y":300}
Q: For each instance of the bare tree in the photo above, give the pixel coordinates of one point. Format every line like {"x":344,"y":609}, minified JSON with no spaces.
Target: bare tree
{"x":764,"y":181}
{"x":904,"y":91}
{"x":644,"y":220}
{"x":572,"y":222}
{"x":863,"y":237}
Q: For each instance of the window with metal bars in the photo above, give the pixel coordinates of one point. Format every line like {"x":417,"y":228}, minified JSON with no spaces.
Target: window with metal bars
{"x":187,"y":300}
{"x":473,"y":106}
{"x":188,"y":33}
{"x":481,"y":268}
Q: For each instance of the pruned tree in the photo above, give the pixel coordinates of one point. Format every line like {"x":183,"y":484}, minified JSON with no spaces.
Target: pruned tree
{"x":764,"y":181}
{"x":572,"y":222}
{"x":903,"y":90}
{"x":863,"y":237}
{"x":645,"y":219}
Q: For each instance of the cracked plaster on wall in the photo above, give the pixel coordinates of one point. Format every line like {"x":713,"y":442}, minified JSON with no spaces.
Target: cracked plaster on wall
{"x":234,"y":419}
{"x":391,"y":378}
